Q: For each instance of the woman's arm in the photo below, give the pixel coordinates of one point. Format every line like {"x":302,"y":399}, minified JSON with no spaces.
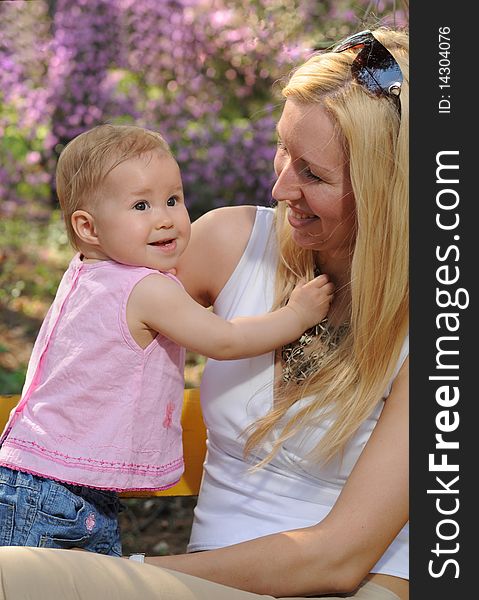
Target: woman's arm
{"x":336,"y":554}
{"x":218,"y":240}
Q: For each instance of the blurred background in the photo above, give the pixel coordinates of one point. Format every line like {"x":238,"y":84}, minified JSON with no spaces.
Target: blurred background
{"x":205,"y":73}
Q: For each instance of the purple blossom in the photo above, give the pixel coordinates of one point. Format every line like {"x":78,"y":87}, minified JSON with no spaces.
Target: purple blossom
{"x":202,"y":72}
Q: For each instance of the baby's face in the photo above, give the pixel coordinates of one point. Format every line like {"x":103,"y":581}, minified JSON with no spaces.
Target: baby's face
{"x":140,"y":216}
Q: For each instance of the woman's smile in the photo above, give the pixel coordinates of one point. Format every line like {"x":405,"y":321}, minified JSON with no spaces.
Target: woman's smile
{"x":298,"y":218}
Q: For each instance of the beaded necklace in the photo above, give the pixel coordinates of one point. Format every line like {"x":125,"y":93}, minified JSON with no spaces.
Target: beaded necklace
{"x":298,"y":363}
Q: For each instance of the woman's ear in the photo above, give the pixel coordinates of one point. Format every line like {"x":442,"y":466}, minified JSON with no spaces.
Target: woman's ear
{"x":83,"y":224}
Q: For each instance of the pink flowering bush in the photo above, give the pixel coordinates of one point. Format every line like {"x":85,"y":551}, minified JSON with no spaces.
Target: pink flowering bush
{"x":202,"y":72}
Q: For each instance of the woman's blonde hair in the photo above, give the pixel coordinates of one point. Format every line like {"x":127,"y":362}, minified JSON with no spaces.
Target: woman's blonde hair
{"x":87,"y":159}
{"x":355,"y":375}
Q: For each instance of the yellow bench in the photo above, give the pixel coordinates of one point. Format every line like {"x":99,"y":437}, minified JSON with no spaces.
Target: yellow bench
{"x":194,"y":444}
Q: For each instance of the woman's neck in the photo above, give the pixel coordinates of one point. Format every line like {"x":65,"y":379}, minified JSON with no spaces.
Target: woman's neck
{"x":339,"y":271}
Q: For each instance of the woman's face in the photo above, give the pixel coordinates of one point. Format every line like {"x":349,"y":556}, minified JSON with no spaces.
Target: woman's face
{"x":313,"y":179}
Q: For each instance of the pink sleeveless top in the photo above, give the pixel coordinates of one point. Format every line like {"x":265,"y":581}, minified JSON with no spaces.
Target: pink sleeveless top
{"x":96,"y":409}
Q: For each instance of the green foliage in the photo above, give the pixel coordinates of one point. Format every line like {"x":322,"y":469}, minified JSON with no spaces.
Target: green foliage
{"x":33,"y":257}
{"x":11,"y":382}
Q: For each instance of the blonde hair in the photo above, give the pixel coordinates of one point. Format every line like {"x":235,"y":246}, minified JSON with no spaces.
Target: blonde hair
{"x":87,"y":159}
{"x":354,"y":376}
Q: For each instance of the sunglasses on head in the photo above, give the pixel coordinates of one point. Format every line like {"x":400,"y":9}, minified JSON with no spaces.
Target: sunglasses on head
{"x":374,"y":67}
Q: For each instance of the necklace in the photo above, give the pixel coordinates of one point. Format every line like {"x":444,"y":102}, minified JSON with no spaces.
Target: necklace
{"x":298,"y":361}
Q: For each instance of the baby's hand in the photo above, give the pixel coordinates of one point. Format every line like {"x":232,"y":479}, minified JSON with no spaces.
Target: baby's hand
{"x":311,"y":301}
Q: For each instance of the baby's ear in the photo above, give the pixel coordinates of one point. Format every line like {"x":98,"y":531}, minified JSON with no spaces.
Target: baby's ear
{"x":83,"y":224}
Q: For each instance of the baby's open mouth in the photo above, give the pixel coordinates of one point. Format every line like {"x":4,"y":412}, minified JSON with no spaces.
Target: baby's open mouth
{"x":166,"y":246}
{"x":162,"y":242}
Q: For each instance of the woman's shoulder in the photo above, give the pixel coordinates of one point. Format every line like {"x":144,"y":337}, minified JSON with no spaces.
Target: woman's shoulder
{"x":218,"y":241}
{"x":224,"y":220}
{"x":231,"y":227}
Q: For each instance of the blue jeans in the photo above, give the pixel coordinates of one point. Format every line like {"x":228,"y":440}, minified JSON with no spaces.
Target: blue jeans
{"x":40,"y":512}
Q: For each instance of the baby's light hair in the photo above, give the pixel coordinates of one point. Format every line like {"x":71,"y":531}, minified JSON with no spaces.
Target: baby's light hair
{"x":87,"y":159}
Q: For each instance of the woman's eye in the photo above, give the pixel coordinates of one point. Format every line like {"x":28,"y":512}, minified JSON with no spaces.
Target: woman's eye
{"x":172,"y":201}
{"x":142,"y":205}
{"x":310,"y":175}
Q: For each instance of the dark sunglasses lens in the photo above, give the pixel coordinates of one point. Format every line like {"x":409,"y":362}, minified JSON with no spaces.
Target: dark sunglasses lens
{"x":376,"y":69}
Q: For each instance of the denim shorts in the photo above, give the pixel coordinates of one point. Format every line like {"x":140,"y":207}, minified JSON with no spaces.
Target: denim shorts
{"x":35,"y":511}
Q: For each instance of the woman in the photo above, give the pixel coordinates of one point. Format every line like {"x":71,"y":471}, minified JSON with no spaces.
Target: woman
{"x":305,"y":491}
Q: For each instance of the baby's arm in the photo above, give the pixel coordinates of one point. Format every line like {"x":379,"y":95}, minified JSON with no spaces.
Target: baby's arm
{"x":160,"y":304}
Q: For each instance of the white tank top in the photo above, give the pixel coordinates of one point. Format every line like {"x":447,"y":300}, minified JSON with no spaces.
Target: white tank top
{"x":291,"y":491}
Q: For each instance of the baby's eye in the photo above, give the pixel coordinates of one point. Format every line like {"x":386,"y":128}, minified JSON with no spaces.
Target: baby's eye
{"x":172,"y":200}
{"x":142,"y":205}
